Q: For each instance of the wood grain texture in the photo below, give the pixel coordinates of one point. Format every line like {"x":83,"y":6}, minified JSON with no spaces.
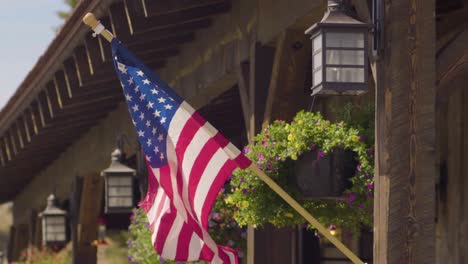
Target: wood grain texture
{"x":286,"y":93}
{"x":90,"y":207}
{"x":405,"y":120}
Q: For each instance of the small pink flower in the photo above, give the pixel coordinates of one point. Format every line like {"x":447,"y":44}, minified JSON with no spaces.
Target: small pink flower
{"x":260,"y":157}
{"x":370,"y":186}
{"x":341,"y":123}
{"x":320,"y":154}
{"x":247,"y":150}
{"x":361,"y":138}
{"x":317,"y":123}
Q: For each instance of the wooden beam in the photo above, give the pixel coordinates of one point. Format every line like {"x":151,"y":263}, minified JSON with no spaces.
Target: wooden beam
{"x":404,"y":205}
{"x":286,"y":93}
{"x":95,"y":52}
{"x":157,"y":8}
{"x":181,"y":28}
{"x":90,"y":208}
{"x":243,"y":86}
{"x":3,"y":156}
{"x":83,"y":66}
{"x":11,"y":137}
{"x":19,"y":133}
{"x":453,"y":59}
{"x":141,"y":24}
{"x":161,"y":44}
{"x":120,"y":21}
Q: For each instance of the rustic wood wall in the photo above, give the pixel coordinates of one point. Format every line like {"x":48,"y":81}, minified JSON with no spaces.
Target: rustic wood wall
{"x":405,"y":123}
{"x":452,"y":204}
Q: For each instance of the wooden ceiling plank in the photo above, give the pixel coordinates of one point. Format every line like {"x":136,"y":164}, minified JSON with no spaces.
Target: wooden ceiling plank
{"x":8,"y":151}
{"x":19,"y":134}
{"x":157,"y":8}
{"x":12,"y":141}
{"x":136,"y":8}
{"x":3,"y":158}
{"x":32,"y":119}
{"x":181,"y":28}
{"x":24,"y":131}
{"x":52,"y":100}
{"x":39,"y":111}
{"x":27,"y":127}
{"x":84,"y":68}
{"x":120,"y":21}
{"x":92,"y":45}
{"x":161,"y":44}
{"x":106,"y":52}
{"x":142,"y":24}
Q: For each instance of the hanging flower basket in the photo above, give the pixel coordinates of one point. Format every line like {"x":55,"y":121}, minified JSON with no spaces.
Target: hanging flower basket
{"x":279,"y":148}
{"x":324,"y":177}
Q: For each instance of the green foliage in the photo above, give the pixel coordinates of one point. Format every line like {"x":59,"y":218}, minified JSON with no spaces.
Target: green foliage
{"x":275,"y":148}
{"x":65,"y":14}
{"x":140,"y":249}
{"x":223,"y":229}
{"x":361,"y":117}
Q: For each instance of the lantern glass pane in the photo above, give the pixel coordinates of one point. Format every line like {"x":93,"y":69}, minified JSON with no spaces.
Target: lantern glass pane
{"x":317,"y":60}
{"x":352,"y":75}
{"x":120,"y":191}
{"x":317,"y":77}
{"x":345,"y":57}
{"x":60,"y":237}
{"x":317,"y":43}
{"x":120,"y":201}
{"x":55,"y":220}
{"x":119,"y":180}
{"x":345,"y":40}
{"x":56,"y":229}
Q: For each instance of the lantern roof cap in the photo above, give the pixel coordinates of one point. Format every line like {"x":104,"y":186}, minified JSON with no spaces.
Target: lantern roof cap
{"x":338,"y":15}
{"x":116,"y":167}
{"x":51,"y":208}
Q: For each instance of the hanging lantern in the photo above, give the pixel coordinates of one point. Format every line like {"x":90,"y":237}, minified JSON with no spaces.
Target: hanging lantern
{"x":118,"y":181}
{"x":339,"y":53}
{"x":53,"y":224}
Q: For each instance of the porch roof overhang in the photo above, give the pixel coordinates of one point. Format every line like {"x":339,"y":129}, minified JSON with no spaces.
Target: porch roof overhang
{"x":73,"y":86}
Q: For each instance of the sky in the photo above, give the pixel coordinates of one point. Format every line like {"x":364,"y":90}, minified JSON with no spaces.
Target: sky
{"x":27,"y":27}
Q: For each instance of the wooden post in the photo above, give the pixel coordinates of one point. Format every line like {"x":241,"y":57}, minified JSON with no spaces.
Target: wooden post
{"x":90,"y":209}
{"x":404,"y":207}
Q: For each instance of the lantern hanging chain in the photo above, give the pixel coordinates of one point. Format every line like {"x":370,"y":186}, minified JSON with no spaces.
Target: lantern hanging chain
{"x":312,"y":103}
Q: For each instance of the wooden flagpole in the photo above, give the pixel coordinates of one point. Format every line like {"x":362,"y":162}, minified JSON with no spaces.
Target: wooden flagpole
{"x":304,"y":213}
{"x":90,"y":20}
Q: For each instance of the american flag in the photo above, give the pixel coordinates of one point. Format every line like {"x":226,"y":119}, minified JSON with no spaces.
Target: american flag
{"x":188,"y":162}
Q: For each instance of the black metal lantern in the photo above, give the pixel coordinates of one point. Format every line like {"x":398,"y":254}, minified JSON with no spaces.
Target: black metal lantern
{"x":53,"y":224}
{"x":321,"y":176}
{"x":118,"y":181}
{"x":339,"y":53}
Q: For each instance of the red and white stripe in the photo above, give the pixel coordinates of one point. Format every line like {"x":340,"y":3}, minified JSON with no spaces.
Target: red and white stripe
{"x":181,"y":194}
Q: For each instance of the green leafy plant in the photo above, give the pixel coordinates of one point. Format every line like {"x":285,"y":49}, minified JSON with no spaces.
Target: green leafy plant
{"x":222,"y":227}
{"x":275,"y":148}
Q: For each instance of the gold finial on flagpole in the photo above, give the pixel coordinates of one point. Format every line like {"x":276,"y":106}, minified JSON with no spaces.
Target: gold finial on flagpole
{"x":90,"y":20}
